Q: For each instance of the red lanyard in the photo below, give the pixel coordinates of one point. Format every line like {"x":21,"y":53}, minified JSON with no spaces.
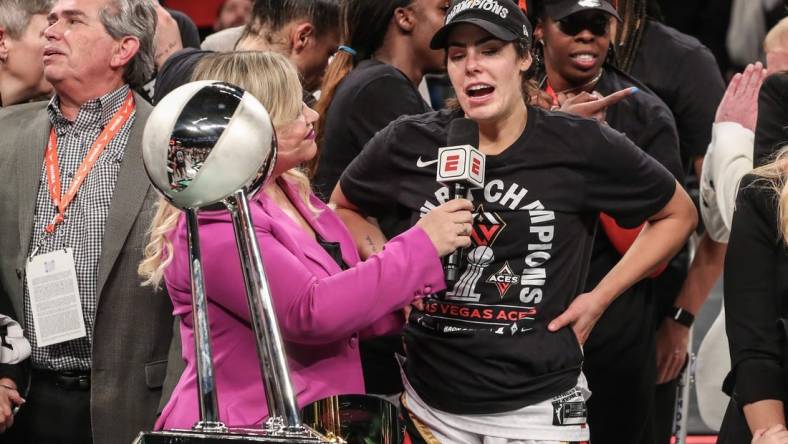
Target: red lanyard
{"x":53,"y":167}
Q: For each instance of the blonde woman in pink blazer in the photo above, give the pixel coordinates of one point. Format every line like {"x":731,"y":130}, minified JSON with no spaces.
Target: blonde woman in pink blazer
{"x":324,"y":302}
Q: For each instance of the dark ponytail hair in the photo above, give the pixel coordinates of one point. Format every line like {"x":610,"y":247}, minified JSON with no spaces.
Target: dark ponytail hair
{"x":269,"y":16}
{"x":363,"y":25}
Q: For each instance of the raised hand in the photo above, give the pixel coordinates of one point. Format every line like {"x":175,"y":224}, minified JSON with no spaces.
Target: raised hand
{"x":740,"y":102}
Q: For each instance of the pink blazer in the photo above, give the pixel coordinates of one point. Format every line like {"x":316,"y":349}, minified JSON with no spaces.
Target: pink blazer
{"x":321,"y":310}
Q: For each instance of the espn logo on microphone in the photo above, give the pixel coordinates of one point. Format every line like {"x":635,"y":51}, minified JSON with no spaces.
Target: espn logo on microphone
{"x":461,"y":164}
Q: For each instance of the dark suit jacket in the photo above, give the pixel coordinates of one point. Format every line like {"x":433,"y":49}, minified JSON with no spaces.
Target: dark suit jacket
{"x":771,"y":130}
{"x":133,"y":327}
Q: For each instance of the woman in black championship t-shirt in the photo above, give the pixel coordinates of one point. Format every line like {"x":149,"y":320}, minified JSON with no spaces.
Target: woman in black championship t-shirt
{"x":497,"y":357}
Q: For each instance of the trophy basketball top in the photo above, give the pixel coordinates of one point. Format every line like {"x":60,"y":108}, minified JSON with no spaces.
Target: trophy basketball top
{"x":206,"y":140}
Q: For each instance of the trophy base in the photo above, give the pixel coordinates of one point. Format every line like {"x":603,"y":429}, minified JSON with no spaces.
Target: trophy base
{"x":231,"y":435}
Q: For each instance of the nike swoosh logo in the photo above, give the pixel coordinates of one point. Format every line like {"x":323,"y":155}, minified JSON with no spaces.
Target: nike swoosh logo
{"x":421,"y":164}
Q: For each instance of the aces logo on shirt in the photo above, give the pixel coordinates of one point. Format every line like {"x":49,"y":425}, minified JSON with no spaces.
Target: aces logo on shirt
{"x":503,"y":279}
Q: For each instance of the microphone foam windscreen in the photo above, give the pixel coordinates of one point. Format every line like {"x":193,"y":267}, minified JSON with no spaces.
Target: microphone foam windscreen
{"x":463,"y":131}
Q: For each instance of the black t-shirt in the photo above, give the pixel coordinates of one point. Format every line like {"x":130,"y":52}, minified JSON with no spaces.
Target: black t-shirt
{"x":371,"y":96}
{"x":771,"y":131}
{"x":179,"y":68}
{"x":684,"y":74}
{"x":705,"y":19}
{"x":483,"y":346}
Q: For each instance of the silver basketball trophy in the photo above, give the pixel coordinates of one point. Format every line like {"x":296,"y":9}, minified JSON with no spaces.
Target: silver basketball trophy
{"x":209,"y":144}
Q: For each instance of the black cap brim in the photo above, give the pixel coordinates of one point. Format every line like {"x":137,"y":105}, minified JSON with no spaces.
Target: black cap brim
{"x":558,"y":11}
{"x":440,"y":39}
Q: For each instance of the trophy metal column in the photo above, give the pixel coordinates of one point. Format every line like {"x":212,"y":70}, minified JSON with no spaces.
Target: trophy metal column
{"x":206,"y":381}
{"x":282,"y":407}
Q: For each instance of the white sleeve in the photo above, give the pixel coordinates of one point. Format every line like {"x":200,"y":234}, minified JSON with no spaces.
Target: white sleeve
{"x":727,"y":160}
{"x":15,"y":348}
{"x":222,"y":41}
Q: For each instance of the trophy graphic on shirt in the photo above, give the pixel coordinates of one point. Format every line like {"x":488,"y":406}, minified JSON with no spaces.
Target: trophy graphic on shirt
{"x":211,"y":145}
{"x":465,"y":288}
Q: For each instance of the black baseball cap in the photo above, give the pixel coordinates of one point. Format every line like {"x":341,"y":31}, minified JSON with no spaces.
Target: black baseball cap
{"x":559,"y":9}
{"x":501,"y":18}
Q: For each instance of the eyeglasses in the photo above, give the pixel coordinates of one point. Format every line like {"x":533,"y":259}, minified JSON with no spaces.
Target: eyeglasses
{"x":576,"y":23}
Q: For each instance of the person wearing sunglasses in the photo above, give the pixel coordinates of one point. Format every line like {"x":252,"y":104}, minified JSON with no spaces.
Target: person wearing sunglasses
{"x":573,"y":45}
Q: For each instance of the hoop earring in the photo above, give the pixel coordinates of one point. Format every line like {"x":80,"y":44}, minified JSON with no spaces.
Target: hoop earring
{"x":612,"y":56}
{"x":538,"y":54}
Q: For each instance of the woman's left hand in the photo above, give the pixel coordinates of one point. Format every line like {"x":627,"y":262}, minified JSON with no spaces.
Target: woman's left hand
{"x":582,"y":314}
{"x":592,"y":105}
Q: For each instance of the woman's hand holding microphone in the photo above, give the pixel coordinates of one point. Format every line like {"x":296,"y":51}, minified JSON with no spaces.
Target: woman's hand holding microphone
{"x":449,"y":225}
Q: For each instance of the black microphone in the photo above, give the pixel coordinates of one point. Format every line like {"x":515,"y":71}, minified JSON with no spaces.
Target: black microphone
{"x":460,"y":167}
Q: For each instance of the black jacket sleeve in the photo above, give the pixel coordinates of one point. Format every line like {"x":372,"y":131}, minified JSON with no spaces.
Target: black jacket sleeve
{"x":770,"y":129}
{"x":752,"y":302}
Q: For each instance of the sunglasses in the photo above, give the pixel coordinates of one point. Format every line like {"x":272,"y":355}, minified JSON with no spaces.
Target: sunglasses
{"x":575,"y":24}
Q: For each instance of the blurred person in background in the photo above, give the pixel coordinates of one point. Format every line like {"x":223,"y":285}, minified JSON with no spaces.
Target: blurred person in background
{"x":685,"y":75}
{"x":305,"y":31}
{"x":233,"y":13}
{"x":706,"y":20}
{"x":374,"y":77}
{"x":574,"y":43}
{"x":675,"y":66}
{"x":749,"y":23}
{"x":174,"y":31}
{"x":22,"y":25}
{"x":770,"y":129}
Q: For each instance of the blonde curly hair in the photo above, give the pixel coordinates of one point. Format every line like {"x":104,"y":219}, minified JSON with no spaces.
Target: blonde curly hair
{"x":775,"y":174}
